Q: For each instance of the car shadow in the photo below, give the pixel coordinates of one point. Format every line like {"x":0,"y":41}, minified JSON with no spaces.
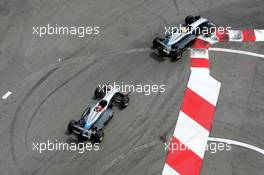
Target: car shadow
{"x":173,"y":60}
{"x":156,"y":57}
{"x":72,"y":140}
{"x":67,"y":132}
{"x":78,"y":139}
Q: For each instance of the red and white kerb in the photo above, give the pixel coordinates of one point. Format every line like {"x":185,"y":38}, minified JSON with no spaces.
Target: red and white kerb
{"x":189,"y":140}
{"x":241,"y":35}
{"x":195,"y":119}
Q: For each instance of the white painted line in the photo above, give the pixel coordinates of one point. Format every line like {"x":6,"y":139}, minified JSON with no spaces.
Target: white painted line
{"x":6,"y":95}
{"x":233,"y":142}
{"x":237,"y":51}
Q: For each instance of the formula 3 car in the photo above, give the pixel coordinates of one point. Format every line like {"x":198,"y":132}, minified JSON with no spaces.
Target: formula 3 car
{"x":177,"y":41}
{"x":95,"y":117}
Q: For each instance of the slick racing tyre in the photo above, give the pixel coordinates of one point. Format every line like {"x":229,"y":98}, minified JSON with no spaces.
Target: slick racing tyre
{"x":162,"y":53}
{"x":99,"y":93}
{"x":71,"y":125}
{"x":155,"y":42}
{"x":189,"y":19}
{"x":176,"y":55}
{"x":124,"y":102}
{"x":99,"y":136}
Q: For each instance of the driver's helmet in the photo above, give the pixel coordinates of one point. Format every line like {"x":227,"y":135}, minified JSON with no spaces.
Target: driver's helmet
{"x":98,"y":108}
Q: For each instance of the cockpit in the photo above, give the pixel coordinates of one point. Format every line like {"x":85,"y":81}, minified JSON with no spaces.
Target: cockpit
{"x":101,"y":106}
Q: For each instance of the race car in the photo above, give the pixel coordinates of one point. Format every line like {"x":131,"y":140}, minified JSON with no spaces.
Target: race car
{"x":95,"y":117}
{"x":177,"y":41}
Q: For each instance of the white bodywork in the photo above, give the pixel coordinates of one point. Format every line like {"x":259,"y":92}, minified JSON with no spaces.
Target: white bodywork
{"x":179,"y":35}
{"x":94,"y":115}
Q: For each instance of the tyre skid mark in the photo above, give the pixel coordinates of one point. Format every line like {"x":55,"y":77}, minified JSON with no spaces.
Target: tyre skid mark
{"x":15,"y":118}
{"x":95,"y":61}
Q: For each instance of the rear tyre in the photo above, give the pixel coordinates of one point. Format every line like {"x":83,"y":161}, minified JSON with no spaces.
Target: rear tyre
{"x":71,"y":125}
{"x":162,"y":53}
{"x":124,"y":102}
{"x":155,"y":42}
{"x":110,"y":118}
{"x":176,"y":55}
{"x":99,"y":136}
{"x":81,"y":138}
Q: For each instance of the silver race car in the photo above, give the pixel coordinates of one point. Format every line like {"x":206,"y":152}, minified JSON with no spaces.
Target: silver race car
{"x":95,"y":117}
{"x":177,"y":41}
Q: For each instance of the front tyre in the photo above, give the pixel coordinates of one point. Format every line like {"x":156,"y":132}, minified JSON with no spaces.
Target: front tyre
{"x":99,"y":93}
{"x":189,"y":19}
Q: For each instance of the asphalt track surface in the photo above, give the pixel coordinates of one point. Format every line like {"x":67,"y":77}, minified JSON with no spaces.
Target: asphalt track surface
{"x":48,"y":93}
